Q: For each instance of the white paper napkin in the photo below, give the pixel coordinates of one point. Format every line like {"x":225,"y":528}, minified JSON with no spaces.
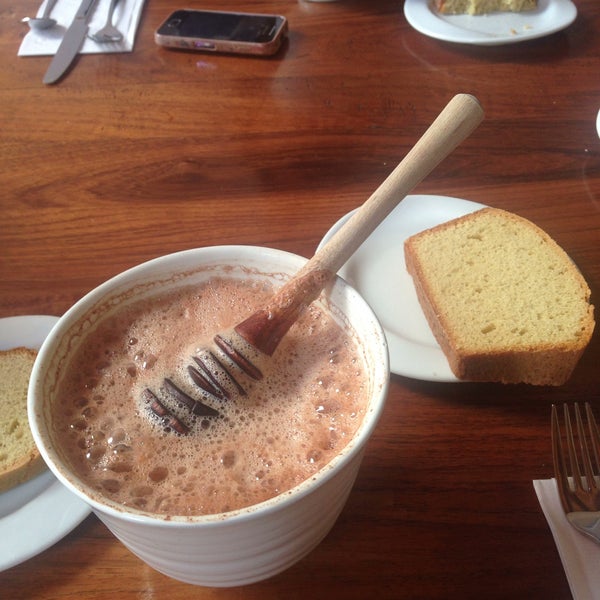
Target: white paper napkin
{"x":580,"y":555}
{"x":46,"y":41}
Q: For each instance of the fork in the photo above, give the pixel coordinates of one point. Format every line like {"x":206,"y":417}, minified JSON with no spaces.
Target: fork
{"x":578,"y":478}
{"x":108,"y":33}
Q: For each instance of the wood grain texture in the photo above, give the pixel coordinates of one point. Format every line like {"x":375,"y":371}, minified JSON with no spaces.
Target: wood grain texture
{"x":136,"y":155}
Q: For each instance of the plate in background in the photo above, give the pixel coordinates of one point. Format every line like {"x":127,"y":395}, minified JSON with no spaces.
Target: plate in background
{"x":491,"y":29}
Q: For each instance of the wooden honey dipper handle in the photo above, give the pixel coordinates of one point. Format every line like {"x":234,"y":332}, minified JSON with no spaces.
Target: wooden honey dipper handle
{"x":455,"y":123}
{"x":265,"y":328}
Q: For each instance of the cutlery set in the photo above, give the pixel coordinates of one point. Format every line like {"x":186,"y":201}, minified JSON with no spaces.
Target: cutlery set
{"x":75,"y":35}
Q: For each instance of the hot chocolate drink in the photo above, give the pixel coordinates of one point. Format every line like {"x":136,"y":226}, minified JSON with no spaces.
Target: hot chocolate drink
{"x":240,"y":451}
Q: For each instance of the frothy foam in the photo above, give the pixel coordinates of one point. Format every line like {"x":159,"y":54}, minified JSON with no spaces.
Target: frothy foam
{"x":289,"y":425}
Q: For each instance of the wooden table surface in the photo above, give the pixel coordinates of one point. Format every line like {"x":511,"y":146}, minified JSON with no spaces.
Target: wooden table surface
{"x":137,"y":155}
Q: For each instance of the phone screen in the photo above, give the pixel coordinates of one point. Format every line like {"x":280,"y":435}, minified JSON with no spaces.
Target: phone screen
{"x":220,"y":26}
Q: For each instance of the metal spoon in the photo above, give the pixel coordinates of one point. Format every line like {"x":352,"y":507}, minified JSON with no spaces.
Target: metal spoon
{"x":108,"y":33}
{"x":43,"y":22}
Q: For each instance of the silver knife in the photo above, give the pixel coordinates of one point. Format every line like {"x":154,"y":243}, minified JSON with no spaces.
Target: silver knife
{"x":71,"y":43}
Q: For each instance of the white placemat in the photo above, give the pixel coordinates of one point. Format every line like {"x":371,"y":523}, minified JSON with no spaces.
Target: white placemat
{"x":580,"y":555}
{"x":45,"y":42}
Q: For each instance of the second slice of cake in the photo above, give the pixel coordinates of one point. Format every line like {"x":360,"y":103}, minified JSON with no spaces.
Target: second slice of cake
{"x":504,"y":301}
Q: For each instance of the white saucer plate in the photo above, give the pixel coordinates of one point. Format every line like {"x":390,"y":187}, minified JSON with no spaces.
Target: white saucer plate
{"x":40,"y":512}
{"x":378,"y":272}
{"x":491,"y":29}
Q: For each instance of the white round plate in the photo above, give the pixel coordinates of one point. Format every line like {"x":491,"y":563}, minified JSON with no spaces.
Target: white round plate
{"x":598,"y":123}
{"x":38,"y":513}
{"x":377,"y":270}
{"x":492,"y":29}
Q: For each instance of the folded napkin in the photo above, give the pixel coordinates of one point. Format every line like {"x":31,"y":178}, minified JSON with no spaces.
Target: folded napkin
{"x":580,"y":555}
{"x":46,"y":41}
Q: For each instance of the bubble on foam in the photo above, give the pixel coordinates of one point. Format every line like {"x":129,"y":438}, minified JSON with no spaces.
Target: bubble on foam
{"x":79,"y":424}
{"x":81,"y":402}
{"x":111,"y":485}
{"x":119,"y":466}
{"x":95,"y":453}
{"x":228,"y":459}
{"x":117,"y":436}
{"x":158,"y":474}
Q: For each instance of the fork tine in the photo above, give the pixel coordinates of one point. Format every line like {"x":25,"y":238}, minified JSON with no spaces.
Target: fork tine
{"x":590,"y":482}
{"x":574,"y":464}
{"x":594,"y":440}
{"x":560,"y":467}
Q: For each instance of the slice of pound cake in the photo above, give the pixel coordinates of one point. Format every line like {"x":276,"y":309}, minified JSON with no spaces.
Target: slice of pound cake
{"x":503,"y":300}
{"x":19,"y":456}
{"x":480,"y":7}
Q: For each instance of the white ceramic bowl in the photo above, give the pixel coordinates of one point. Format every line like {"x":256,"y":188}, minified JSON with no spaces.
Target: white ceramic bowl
{"x":238,"y":547}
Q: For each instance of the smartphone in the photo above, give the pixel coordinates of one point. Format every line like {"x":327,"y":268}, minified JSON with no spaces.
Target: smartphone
{"x":218,"y":31}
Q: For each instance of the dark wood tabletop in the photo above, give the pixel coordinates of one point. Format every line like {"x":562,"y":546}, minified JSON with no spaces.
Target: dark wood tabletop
{"x":140,"y":154}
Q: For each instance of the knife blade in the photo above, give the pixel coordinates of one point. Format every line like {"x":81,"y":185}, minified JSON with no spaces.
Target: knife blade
{"x":71,"y":43}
